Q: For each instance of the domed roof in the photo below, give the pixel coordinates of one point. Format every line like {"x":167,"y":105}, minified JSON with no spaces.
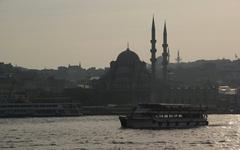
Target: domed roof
{"x":127,"y":57}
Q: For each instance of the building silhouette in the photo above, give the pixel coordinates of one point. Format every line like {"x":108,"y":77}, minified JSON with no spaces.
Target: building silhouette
{"x":127,"y":78}
{"x":129,"y":82}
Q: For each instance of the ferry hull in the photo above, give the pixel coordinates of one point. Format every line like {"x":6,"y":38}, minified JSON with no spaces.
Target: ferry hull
{"x":144,"y":123}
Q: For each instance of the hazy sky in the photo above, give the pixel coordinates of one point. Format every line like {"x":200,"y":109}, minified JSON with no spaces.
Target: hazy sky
{"x":50,"y":33}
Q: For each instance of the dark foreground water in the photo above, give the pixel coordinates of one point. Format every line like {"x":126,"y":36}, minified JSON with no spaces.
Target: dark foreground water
{"x":104,"y":132}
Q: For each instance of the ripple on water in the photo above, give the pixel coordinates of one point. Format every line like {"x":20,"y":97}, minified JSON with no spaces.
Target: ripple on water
{"x":104,"y":132}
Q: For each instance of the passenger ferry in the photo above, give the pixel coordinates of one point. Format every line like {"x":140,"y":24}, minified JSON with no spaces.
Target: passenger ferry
{"x":165,"y":116}
{"x":8,"y":110}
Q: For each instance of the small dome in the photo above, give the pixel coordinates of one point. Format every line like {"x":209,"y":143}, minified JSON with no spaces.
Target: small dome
{"x":127,"y":57}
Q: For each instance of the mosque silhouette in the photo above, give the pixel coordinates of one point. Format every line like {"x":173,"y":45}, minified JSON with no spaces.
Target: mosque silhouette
{"x":128,"y":81}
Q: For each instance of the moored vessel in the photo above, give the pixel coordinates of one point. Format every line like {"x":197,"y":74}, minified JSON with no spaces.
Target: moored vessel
{"x":165,"y":116}
{"x":14,"y":110}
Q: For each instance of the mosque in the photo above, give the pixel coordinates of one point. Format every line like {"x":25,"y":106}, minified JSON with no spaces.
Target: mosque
{"x":128,"y":72}
{"x":128,"y":79}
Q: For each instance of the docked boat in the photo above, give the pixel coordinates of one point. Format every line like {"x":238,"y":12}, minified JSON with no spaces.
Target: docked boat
{"x":8,"y":110}
{"x":165,"y":116}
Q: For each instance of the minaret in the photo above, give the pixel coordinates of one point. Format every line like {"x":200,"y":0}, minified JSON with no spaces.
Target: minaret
{"x":178,"y":59}
{"x":165,"y":54}
{"x":236,"y":56}
{"x":153,"y":51}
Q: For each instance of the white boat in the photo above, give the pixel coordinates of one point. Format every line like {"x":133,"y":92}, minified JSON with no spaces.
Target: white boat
{"x":164,"y":116}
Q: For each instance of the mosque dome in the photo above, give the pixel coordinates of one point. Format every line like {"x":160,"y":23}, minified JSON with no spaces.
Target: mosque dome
{"x":127,"y":57}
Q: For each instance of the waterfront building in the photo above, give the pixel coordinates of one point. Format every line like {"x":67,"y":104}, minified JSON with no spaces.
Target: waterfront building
{"x":127,"y":78}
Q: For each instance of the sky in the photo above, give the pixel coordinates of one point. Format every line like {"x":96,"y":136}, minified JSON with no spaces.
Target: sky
{"x":49,"y":33}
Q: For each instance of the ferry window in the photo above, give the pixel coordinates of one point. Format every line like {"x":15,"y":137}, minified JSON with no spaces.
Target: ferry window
{"x":165,"y":116}
{"x":180,"y":115}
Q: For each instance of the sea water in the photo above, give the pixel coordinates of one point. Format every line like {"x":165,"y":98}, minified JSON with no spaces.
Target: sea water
{"x":105,"y":132}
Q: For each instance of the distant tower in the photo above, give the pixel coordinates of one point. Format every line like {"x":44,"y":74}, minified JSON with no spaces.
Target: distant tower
{"x":165,"y":54}
{"x":153,"y":51}
{"x":178,"y":59}
{"x":80,"y":65}
{"x":236,"y":56}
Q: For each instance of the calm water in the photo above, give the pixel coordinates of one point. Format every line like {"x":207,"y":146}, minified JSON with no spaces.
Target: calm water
{"x":104,"y":132}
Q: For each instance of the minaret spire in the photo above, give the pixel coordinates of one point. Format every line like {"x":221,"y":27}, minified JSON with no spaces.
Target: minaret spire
{"x":178,"y":59}
{"x":153,"y":28}
{"x":153,"y":51}
{"x":165,"y":54}
{"x":165,"y":33}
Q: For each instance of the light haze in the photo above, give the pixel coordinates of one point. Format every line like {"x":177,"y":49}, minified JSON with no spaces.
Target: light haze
{"x":50,"y":33}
